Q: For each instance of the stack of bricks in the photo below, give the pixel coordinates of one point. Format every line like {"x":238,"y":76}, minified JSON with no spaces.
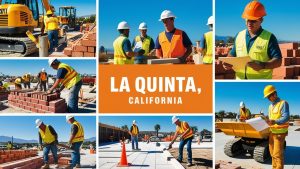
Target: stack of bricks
{"x":221,"y":73}
{"x":220,"y":164}
{"x":83,"y":47}
{"x":290,"y":67}
{"x":222,"y":51}
{"x":37,"y":102}
{"x":13,"y":155}
{"x":3,"y":95}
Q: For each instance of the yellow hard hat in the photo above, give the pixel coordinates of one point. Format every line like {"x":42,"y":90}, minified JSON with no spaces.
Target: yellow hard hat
{"x":18,"y":81}
{"x":269,"y":89}
{"x":49,"y":12}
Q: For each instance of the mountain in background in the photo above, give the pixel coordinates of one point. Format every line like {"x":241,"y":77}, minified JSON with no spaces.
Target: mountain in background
{"x":16,"y":140}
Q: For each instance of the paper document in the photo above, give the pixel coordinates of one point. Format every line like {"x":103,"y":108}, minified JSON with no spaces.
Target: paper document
{"x":138,"y":46}
{"x":238,"y":63}
{"x":258,"y":123}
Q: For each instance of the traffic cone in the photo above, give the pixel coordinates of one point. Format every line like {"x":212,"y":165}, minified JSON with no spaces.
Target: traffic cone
{"x":123,"y":161}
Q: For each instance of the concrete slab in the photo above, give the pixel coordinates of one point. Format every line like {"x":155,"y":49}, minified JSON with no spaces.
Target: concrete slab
{"x":292,"y":152}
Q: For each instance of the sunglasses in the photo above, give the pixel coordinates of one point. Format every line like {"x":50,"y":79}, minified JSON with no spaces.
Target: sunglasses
{"x":165,"y":20}
{"x":252,"y":21}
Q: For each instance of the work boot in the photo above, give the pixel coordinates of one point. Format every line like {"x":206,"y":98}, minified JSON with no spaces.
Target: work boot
{"x":56,"y":166}
{"x":189,"y":164}
{"x":46,"y":166}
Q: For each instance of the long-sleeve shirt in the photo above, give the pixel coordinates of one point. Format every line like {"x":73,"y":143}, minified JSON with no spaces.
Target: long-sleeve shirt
{"x":285,"y":111}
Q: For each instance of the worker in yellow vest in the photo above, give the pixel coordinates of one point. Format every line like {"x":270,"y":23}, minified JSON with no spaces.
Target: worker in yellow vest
{"x":134,"y":132}
{"x":278,"y":120}
{"x":9,"y":145}
{"x":42,"y":80}
{"x":66,"y":77}
{"x":76,"y":140}
{"x":52,"y":26}
{"x":18,"y":83}
{"x":26,"y":80}
{"x":173,"y":42}
{"x":257,"y":43}
{"x":123,"y":53}
{"x":206,"y":43}
{"x":245,"y":113}
{"x":185,"y":132}
{"x":48,"y":142}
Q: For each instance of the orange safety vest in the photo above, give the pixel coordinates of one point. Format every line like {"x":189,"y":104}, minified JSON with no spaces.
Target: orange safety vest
{"x":183,"y":126}
{"x":173,"y":49}
{"x":43,"y":76}
{"x":275,"y":114}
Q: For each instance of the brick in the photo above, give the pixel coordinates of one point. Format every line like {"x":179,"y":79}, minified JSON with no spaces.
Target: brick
{"x":33,"y":109}
{"x":56,"y":102}
{"x":88,"y":54}
{"x":87,"y":42}
{"x":286,"y":52}
{"x":41,"y":111}
{"x":296,"y":53}
{"x":284,"y":71}
{"x":297,"y":60}
{"x":77,"y":54}
{"x":68,"y":51}
{"x":288,"y":45}
{"x":78,"y":48}
{"x":91,"y":49}
{"x":45,"y":108}
{"x":34,"y":100}
{"x":286,"y":61}
{"x":43,"y":102}
{"x":219,"y":69}
{"x":59,"y":109}
{"x":297,"y":70}
{"x":92,"y":36}
{"x":38,"y":106}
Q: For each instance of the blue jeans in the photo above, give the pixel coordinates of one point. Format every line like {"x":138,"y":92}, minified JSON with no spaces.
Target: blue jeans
{"x":134,"y":139}
{"x":73,"y":98}
{"x":53,"y":39}
{"x":46,"y":151}
{"x":76,"y":153}
{"x":188,"y":143}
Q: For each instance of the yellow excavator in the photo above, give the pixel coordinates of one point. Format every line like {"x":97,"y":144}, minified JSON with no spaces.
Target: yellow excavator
{"x":67,"y":17}
{"x":16,"y":18}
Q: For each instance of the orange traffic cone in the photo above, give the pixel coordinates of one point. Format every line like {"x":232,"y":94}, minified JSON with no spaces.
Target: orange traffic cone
{"x":123,"y":161}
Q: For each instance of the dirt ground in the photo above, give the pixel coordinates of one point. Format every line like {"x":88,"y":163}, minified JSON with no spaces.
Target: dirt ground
{"x":202,"y":158}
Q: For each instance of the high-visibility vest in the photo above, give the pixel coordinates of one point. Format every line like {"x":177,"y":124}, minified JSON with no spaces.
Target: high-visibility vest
{"x":182,"y":128}
{"x":26,"y":77}
{"x":258,"y":52}
{"x":244,"y":115}
{"x":47,"y":136}
{"x":119,"y":54}
{"x":51,"y":23}
{"x":146,"y":43}
{"x":9,"y":146}
{"x":209,"y":48}
{"x":43,"y":76}
{"x":71,"y":78}
{"x":275,"y":114}
{"x":172,"y":49}
{"x":80,"y":133}
{"x":134,"y":130}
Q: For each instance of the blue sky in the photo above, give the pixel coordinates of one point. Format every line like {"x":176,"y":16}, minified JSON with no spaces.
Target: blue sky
{"x":282,"y":18}
{"x":147,"y":123}
{"x":229,"y":95}
{"x":23,"y":127}
{"x":19,"y":67}
{"x":191,"y":15}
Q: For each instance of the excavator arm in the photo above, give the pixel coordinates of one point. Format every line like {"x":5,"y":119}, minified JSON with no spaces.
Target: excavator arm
{"x":46,"y":5}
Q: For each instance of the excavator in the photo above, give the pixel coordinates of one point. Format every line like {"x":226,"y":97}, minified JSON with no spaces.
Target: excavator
{"x":67,"y":17}
{"x":16,"y":18}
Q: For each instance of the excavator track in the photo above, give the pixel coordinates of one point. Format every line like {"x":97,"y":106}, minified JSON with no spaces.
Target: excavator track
{"x":261,"y":152}
{"x":22,"y":45}
{"x":233,"y":147}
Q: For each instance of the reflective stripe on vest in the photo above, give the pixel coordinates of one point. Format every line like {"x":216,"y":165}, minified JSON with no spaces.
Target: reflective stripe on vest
{"x":80,"y":133}
{"x":244,"y":115}
{"x":258,"y":52}
{"x":71,"y":78}
{"x":146,"y":43}
{"x":43,"y":76}
{"x":134,"y":130}
{"x":52,"y":23}
{"x":209,"y":48}
{"x":182,"y":128}
{"x":275,"y":114}
{"x":172,"y":49}
{"x":47,"y":136}
{"x":119,"y":54}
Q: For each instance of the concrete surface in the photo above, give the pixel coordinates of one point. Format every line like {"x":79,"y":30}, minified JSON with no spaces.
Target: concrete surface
{"x":292,"y":152}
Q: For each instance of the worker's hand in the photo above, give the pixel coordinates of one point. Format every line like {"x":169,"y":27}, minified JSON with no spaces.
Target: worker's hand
{"x":271,"y":122}
{"x":182,"y":60}
{"x":227,"y":66}
{"x":257,"y":66}
{"x":49,"y":91}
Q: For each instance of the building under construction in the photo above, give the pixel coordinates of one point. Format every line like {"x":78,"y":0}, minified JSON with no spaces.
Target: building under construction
{"x":109,"y":133}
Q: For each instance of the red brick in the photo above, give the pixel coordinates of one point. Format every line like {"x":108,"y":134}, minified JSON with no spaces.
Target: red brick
{"x":297,"y":70}
{"x":286,"y":61}
{"x":56,"y":103}
{"x":38,"y":106}
{"x":77,"y":54}
{"x":286,"y":52}
{"x":68,"y":51}
{"x":78,"y":48}
{"x":27,"y":108}
{"x":297,"y":60}
{"x":89,"y":54}
{"x":34,"y":100}
{"x":288,"y":45}
{"x":284,"y":71}
{"x":43,"y":102}
{"x":87,"y":42}
{"x":33,"y":110}
{"x":296,"y":53}
{"x":59,"y":109}
{"x":92,"y":36}
{"x":91,"y":49}
{"x":45,"y":108}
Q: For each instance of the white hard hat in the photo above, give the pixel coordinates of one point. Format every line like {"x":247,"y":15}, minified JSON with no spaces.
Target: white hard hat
{"x":242,"y":104}
{"x":143,"y":26}
{"x":174,"y":119}
{"x":51,"y":60}
{"x":133,"y":122}
{"x":43,"y":70}
{"x":123,"y":25}
{"x":68,"y":117}
{"x":166,"y":14}
{"x":210,"y":20}
{"x":38,"y":122}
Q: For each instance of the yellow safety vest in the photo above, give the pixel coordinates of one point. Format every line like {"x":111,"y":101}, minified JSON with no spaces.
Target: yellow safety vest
{"x":182,"y":128}
{"x":51,"y":23}
{"x":80,"y":133}
{"x":244,"y":115}
{"x":134,"y":130}
{"x":275,"y":114}
{"x":258,"y":52}
{"x":26,"y":77}
{"x":119,"y":54}
{"x":9,"y":146}
{"x":146,"y":43}
{"x":71,"y":78}
{"x":209,"y":48}
{"x":47,"y":136}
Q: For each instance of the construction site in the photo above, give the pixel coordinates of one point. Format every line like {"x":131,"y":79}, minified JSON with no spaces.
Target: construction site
{"x":17,"y":97}
{"x":28,"y":29}
{"x":153,"y":150}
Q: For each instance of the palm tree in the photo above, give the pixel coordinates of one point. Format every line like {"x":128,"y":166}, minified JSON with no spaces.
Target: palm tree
{"x":157,"y":128}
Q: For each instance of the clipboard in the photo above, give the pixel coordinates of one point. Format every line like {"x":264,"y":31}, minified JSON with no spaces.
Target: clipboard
{"x":238,"y":63}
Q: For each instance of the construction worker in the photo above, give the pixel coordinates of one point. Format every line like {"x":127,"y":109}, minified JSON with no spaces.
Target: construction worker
{"x":52,"y":26}
{"x":18,"y":82}
{"x":206,"y":43}
{"x":9,"y":145}
{"x":257,"y":43}
{"x":172,"y":43}
{"x":134,"y":132}
{"x":43,"y":80}
{"x":245,"y":113}
{"x":76,"y":140}
{"x":186,"y":136}
{"x":279,"y":122}
{"x":147,"y":41}
{"x":48,"y":142}
{"x":26,"y":80}
{"x":68,"y":78}
{"x":123,"y":53}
